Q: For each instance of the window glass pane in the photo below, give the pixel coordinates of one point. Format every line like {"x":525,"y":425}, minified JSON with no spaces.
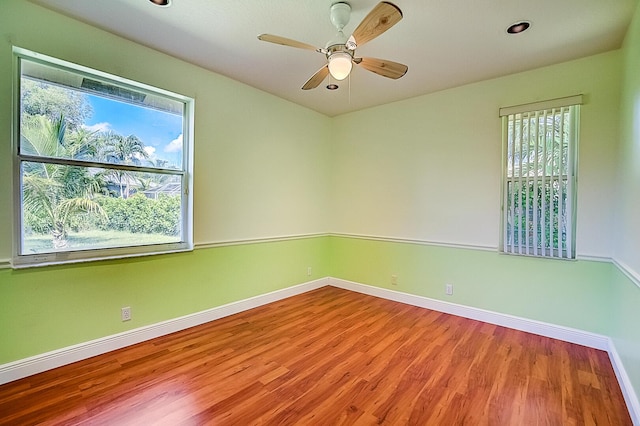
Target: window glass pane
{"x":67,"y":208}
{"x":96,"y":121}
{"x":101,"y":167}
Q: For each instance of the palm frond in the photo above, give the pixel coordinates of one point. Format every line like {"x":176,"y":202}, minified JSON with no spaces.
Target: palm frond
{"x":80,"y":205}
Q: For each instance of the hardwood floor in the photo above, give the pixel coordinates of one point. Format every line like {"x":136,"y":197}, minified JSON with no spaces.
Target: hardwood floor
{"x":329,"y":357}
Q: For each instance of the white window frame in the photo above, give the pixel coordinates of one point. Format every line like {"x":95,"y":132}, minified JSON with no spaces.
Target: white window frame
{"x":20,"y":260}
{"x":533,"y":236}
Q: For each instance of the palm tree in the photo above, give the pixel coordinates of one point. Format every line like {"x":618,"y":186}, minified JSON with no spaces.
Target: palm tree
{"x":55,"y":191}
{"x":123,"y":150}
{"x":149,"y":181}
{"x":82,"y":144}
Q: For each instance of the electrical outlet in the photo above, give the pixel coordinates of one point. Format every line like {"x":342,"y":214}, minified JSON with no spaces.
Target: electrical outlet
{"x":448,"y":289}
{"x":394,"y":280}
{"x":126,"y":314}
{"x":309,"y":271}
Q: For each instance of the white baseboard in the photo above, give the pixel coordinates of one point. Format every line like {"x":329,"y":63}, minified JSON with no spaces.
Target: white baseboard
{"x":57,"y":358}
{"x":630,"y":396}
{"x":566,"y":334}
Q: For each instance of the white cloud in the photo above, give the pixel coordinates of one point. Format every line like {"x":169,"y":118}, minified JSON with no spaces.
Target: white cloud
{"x":150,"y":150}
{"x":98,"y":127}
{"x":175,"y":145}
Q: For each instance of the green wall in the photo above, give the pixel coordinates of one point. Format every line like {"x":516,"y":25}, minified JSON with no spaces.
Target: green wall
{"x":625,"y":331}
{"x":425,"y":169}
{"x":572,"y":294}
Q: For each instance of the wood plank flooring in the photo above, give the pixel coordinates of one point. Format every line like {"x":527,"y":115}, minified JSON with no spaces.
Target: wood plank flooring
{"x":329,"y":357}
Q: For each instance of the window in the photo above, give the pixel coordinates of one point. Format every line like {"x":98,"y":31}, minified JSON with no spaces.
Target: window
{"x":539,"y":178}
{"x":102,"y":165}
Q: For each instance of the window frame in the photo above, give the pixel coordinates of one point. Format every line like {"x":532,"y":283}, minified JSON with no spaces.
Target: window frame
{"x":571,"y":177}
{"x":20,"y":260}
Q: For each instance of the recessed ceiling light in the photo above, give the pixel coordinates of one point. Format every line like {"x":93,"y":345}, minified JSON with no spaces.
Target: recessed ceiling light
{"x":332,"y":86}
{"x":518,"y":27}
{"x":161,"y":3}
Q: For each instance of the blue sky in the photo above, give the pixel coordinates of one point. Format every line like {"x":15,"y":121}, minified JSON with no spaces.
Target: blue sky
{"x":161,"y":132}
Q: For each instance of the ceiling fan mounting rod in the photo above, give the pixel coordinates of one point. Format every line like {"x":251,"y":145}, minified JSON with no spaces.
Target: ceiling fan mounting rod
{"x":340,"y":14}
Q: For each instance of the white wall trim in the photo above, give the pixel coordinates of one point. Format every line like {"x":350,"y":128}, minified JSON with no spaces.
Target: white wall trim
{"x":593,"y":258}
{"x":630,"y":396}
{"x":416,"y":241}
{"x":225,"y":243}
{"x":626,"y":270}
{"x":466,"y":246}
{"x":57,"y":358}
{"x":6,"y":263}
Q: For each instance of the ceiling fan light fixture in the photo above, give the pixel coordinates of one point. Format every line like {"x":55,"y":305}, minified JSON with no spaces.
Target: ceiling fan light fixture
{"x":340,"y":65}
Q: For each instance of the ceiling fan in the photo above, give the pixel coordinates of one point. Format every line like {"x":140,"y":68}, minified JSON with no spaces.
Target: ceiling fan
{"x":340,"y":50}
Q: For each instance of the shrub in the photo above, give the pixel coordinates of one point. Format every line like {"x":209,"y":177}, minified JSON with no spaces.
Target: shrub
{"x":139,"y":214}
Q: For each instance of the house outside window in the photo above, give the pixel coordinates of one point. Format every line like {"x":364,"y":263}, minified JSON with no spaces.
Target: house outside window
{"x":540,"y":144}
{"x":103,"y":165}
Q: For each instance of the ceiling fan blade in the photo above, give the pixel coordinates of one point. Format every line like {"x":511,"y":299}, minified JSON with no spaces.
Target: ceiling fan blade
{"x":382,"y":17}
{"x":287,"y":42}
{"x":317,"y":78}
{"x":382,"y":67}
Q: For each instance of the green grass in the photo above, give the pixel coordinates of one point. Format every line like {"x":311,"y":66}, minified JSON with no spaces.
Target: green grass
{"x":93,"y":239}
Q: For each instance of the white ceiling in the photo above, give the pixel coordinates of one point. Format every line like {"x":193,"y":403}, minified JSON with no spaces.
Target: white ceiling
{"x":445,"y":43}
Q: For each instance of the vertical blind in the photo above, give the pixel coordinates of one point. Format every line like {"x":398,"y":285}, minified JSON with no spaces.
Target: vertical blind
{"x":539,"y":192}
